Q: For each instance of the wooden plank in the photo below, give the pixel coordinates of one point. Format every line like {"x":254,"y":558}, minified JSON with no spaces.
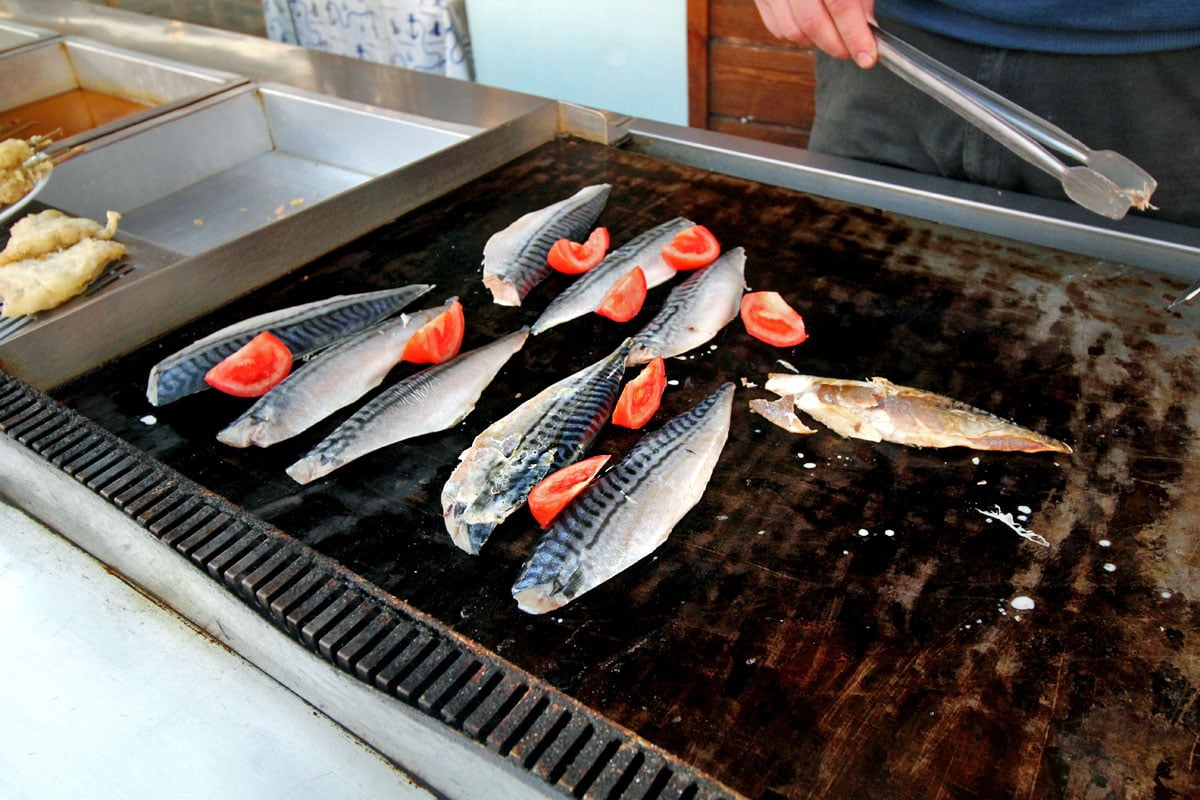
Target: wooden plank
{"x":763,"y":132}
{"x":739,"y":19}
{"x":762,"y":84}
{"x":697,"y":56}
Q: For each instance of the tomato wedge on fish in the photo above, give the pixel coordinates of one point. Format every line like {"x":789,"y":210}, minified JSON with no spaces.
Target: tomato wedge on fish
{"x":769,"y":318}
{"x":624,"y":299}
{"x":641,"y":397}
{"x":573,"y":258}
{"x":551,"y":496}
{"x":439,"y":339}
{"x":252,"y":370}
{"x":693,"y":248}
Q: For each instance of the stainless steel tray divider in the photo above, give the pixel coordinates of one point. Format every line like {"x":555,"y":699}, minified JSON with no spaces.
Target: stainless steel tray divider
{"x":279,"y":151}
{"x":14,"y":35}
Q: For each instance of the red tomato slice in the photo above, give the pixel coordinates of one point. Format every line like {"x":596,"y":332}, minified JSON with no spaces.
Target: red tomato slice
{"x":439,"y":339}
{"x":624,"y":299}
{"x":693,"y":248}
{"x":640,"y":398}
{"x":573,"y":258}
{"x":254,"y":369}
{"x":557,"y":489}
{"x":768,"y":317}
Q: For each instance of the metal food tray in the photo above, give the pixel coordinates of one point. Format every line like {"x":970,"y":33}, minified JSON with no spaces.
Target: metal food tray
{"x":236,"y":190}
{"x":13,"y":35}
{"x":34,"y":73}
{"x":238,"y":163}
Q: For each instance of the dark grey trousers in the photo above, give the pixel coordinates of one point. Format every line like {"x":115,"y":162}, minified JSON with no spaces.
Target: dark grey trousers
{"x":1146,"y":107}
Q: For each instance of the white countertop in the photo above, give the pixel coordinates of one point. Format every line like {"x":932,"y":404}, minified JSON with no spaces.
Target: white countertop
{"x":106,"y":694}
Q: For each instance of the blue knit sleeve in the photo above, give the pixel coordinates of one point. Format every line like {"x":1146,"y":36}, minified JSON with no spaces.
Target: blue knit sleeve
{"x":1056,"y":26}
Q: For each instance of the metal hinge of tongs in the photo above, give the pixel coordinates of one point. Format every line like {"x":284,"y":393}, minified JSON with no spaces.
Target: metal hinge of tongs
{"x":1104,"y":182}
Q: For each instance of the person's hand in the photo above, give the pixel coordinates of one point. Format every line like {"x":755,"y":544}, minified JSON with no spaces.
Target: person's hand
{"x":839,"y":27}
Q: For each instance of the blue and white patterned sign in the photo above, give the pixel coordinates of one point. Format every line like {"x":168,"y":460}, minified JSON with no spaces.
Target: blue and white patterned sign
{"x":424,"y":35}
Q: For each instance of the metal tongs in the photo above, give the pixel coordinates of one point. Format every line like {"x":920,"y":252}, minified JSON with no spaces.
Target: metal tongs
{"x":1104,"y":182}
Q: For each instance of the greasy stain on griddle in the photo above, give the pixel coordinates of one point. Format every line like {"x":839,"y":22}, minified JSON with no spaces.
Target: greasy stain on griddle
{"x":833,"y":619}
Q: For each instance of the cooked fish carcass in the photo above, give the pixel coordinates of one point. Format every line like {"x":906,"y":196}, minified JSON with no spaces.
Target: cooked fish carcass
{"x":879,"y":410}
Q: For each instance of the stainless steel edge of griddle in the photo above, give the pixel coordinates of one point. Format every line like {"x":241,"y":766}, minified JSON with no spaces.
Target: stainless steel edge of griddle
{"x":403,"y":682}
{"x":1160,"y":246}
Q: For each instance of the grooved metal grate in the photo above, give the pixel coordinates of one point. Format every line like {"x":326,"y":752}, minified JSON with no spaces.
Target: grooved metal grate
{"x":351,"y":623}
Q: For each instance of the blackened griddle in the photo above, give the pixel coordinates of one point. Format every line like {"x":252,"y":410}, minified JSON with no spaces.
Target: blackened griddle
{"x":835,"y":618}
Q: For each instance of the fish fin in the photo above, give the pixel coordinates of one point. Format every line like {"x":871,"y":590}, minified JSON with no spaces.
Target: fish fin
{"x":1029,"y":442}
{"x":779,"y":412}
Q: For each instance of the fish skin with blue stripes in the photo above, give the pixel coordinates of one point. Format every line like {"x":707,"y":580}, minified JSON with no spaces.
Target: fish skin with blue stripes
{"x":695,"y":311}
{"x":514,"y":259}
{"x":305,"y":329}
{"x":629,"y":510}
{"x":545,"y":433}
{"x":433,"y":399}
{"x":330,"y":381}
{"x":585,"y":294}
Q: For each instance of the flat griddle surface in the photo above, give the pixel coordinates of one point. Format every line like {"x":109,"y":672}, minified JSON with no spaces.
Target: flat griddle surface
{"x":834,"y":618}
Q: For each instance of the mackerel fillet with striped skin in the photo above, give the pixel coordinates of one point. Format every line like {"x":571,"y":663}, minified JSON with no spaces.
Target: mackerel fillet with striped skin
{"x":879,"y":410}
{"x":695,"y":311}
{"x":332,"y":380}
{"x":584,"y":295}
{"x":304,"y":329}
{"x":629,"y":510}
{"x":434,"y":399}
{"x":514,"y":259}
{"x":543,"y":434}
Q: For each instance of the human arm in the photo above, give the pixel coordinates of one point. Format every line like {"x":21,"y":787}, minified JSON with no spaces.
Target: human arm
{"x":839,"y":27}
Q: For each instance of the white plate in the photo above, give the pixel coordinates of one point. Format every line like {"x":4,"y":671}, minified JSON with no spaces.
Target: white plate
{"x":10,"y":210}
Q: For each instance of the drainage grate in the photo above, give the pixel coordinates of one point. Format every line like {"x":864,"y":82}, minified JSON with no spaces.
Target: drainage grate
{"x":351,"y":623}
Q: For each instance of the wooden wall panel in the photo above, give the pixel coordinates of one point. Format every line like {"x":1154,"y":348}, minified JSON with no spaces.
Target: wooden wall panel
{"x":744,"y":81}
{"x":739,"y":19}
{"x":763,"y":84}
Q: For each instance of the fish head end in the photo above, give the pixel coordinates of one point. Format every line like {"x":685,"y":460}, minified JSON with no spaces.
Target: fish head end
{"x":478,"y":534}
{"x":538,"y":599}
{"x":152,"y":386}
{"x":306,"y":470}
{"x":239,"y":434}
{"x":467,"y":536}
{"x":504,"y":291}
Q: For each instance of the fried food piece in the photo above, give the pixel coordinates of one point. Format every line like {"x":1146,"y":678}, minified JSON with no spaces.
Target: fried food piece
{"x":51,"y":257}
{"x":19,"y":170}
{"x":37,"y":284}
{"x":41,"y":234}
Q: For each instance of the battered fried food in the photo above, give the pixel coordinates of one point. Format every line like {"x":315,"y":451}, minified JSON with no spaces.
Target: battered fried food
{"x":19,"y":169}
{"x":51,"y":258}
{"x":41,"y":234}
